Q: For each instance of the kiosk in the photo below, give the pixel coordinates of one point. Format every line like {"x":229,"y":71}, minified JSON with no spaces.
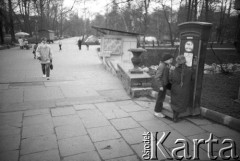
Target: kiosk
{"x":193,"y":45}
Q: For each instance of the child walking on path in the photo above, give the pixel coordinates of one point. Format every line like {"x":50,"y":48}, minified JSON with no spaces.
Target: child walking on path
{"x":162,"y":78}
{"x":60,"y":45}
{"x":44,"y":54}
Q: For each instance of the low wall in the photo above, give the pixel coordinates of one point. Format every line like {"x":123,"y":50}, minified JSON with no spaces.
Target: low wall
{"x":153,"y":56}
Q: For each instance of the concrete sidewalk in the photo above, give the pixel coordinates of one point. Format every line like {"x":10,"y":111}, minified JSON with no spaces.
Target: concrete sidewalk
{"x":83,"y":113}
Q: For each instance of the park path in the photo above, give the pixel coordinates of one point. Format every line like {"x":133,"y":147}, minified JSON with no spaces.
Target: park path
{"x":82,"y":113}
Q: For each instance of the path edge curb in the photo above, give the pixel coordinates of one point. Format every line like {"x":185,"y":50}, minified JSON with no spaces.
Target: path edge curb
{"x":221,"y":118}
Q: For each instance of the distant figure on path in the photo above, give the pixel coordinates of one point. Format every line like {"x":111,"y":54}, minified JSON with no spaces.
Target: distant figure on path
{"x":60,"y":44}
{"x":181,"y":78}
{"x":162,"y":78}
{"x":25,"y":43}
{"x":79,"y":44}
{"x":34,"y":49}
{"x":44,"y":54}
{"x":20,"y":41}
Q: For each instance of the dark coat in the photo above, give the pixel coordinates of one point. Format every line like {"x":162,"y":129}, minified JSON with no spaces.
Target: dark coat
{"x":181,"y":91}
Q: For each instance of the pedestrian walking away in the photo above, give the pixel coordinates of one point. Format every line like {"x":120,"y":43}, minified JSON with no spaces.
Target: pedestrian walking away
{"x":60,"y":45}
{"x":79,"y":44}
{"x":182,"y":79}
{"x":162,"y":78}
{"x":34,"y":49}
{"x":44,"y":54}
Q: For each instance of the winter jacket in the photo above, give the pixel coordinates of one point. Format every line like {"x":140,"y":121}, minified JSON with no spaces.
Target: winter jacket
{"x":162,"y":74}
{"x":44,"y":53}
{"x":182,"y":82}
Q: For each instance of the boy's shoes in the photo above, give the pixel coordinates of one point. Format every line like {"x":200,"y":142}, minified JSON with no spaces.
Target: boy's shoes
{"x":44,"y":76}
{"x":48,"y":78}
{"x":159,"y":114}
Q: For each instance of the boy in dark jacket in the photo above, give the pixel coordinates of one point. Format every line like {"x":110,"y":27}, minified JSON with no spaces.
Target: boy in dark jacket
{"x":161,"y":77}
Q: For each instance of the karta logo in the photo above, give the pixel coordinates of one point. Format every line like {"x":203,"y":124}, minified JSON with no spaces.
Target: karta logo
{"x":152,"y":145}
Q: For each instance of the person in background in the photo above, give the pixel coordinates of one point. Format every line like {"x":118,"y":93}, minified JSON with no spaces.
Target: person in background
{"x":181,"y":79}
{"x":20,"y":41}
{"x":162,"y":78}
{"x":60,"y":44}
{"x":79,"y":44}
{"x":26,"y":44}
{"x":44,"y":54}
{"x":34,"y":49}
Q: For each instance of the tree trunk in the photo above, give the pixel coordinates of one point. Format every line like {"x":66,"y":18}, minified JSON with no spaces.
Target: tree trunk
{"x":11,"y":21}
{"x":206,"y":13}
{"x":195,"y":10}
{"x":189,"y":11}
{"x":1,"y":32}
{"x":169,"y":25}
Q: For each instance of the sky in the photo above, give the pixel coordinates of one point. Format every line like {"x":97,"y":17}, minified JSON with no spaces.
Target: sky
{"x":92,"y":7}
{"x":99,"y":6}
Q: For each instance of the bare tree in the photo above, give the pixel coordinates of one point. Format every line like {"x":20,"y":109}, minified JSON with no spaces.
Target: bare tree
{"x":11,"y":24}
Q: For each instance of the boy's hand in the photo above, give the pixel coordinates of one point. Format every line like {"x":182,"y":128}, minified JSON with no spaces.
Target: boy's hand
{"x":161,"y":88}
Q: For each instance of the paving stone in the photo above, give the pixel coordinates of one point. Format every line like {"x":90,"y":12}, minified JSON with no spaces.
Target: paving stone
{"x":36,"y":112}
{"x":220,"y":130}
{"x":60,"y":103}
{"x":38,"y":144}
{"x":199,"y":120}
{"x":37,"y":130}
{"x":61,"y":111}
{"x":77,"y":91}
{"x":103,"y":133}
{"x":42,"y":93}
{"x":142,"y":116}
{"x":68,"y":131}
{"x":133,"y":136}
{"x":146,"y":104}
{"x":127,"y":158}
{"x":124,"y":102}
{"x":187,"y":128}
{"x":117,"y":113}
{"x":3,"y":86}
{"x":131,"y":108}
{"x":106,"y":106}
{"x":97,"y":121}
{"x":66,"y":120}
{"x":8,"y":143}
{"x":114,"y":95}
{"x":11,"y":117}
{"x":9,"y":156}
{"x":11,"y":96}
{"x":89,"y":113}
{"x":75,"y":145}
{"x":138,"y":148}
{"x":155,"y":125}
{"x":85,"y":107}
{"x":37,"y":119}
{"x":88,"y":156}
{"x":6,"y":130}
{"x":113,"y":148}
{"x":124,"y":123}
{"x":50,"y":155}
